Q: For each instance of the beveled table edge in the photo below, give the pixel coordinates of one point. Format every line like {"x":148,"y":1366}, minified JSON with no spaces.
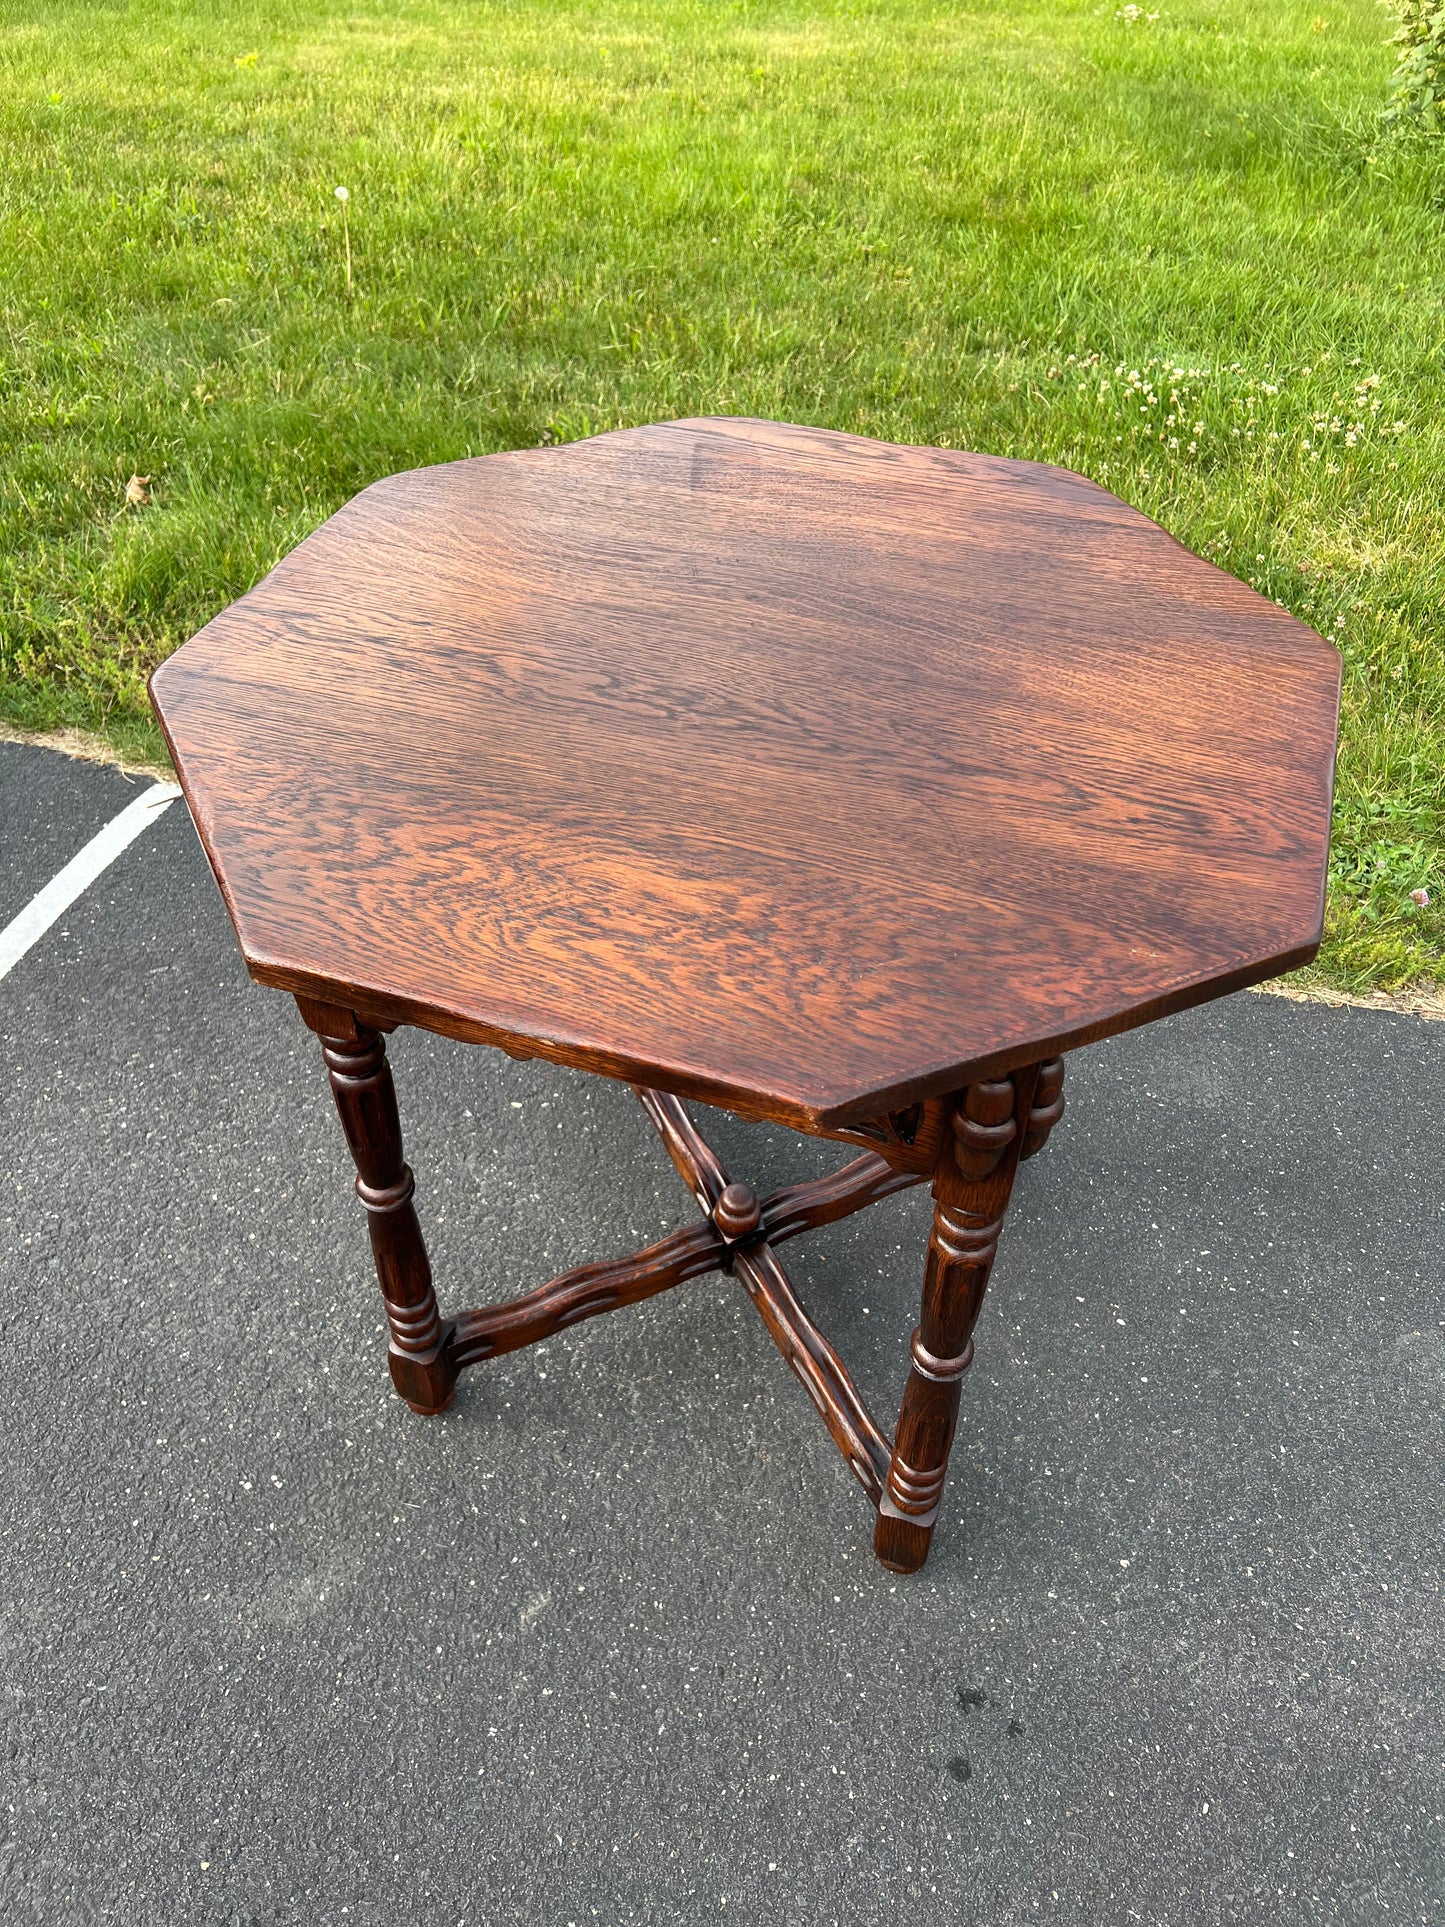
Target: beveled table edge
{"x":386,"y":1011}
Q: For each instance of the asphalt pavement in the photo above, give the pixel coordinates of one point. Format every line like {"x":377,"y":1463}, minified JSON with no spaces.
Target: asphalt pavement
{"x":607,"y":1643}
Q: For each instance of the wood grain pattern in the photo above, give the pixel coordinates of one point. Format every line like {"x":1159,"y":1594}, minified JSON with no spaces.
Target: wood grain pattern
{"x":800,"y":773}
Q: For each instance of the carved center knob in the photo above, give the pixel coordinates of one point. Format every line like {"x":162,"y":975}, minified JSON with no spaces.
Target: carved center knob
{"x":737,"y":1211}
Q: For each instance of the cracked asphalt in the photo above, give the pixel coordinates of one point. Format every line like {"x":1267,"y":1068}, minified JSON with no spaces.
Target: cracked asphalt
{"x":606,"y":1643}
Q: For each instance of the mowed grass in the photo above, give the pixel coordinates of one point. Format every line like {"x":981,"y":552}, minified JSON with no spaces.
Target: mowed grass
{"x":1171,"y":253}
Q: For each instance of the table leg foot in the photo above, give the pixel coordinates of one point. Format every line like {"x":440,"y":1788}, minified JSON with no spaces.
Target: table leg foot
{"x":427,"y":1382}
{"x":899,"y":1543}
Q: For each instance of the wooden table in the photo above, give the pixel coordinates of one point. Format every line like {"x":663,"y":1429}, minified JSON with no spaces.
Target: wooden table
{"x":835,"y":783}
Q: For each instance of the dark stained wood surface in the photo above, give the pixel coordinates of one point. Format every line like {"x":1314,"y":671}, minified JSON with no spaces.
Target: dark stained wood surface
{"x":802,"y":773}
{"x":422,"y":1368}
{"x":971,"y":1191}
{"x":749,"y":1230}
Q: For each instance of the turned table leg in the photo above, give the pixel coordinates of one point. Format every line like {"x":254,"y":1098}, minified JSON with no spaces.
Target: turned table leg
{"x":971,"y":1189}
{"x":422,"y":1369}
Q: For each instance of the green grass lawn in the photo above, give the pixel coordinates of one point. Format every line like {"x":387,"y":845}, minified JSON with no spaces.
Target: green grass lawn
{"x":1168,"y":251}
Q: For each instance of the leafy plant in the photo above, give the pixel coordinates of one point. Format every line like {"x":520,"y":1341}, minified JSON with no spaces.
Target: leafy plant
{"x":1417,"y":86}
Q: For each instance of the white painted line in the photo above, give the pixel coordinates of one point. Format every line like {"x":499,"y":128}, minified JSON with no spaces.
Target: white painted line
{"x":81,"y":871}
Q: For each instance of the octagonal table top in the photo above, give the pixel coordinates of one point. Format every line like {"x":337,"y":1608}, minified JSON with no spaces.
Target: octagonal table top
{"x":802,"y":773}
